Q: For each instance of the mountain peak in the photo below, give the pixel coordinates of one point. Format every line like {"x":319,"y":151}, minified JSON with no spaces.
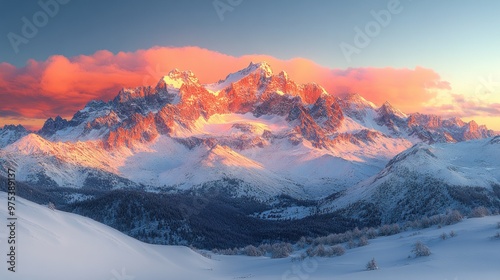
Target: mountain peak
{"x":387,"y":108}
{"x":262,"y":66}
{"x":30,"y":144}
{"x":13,"y":127}
{"x":177,"y":78}
{"x":52,"y":125}
{"x":262,"y":69}
{"x":387,"y":104}
{"x":355,"y":98}
{"x":11,"y":133}
{"x":283,"y":75}
{"x":456,"y":121}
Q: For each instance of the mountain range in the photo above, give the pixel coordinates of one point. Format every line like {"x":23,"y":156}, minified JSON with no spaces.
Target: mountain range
{"x":260,"y":135}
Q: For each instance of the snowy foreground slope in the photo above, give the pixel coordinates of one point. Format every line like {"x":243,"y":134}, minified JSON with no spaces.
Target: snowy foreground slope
{"x":58,"y":245}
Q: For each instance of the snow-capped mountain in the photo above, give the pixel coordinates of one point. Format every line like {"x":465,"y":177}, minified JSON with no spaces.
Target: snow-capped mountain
{"x":430,"y":179}
{"x":11,"y":133}
{"x":277,"y":136}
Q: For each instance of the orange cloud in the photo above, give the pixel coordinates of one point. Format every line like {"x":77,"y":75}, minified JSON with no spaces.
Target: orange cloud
{"x":407,"y":89}
{"x":62,"y":85}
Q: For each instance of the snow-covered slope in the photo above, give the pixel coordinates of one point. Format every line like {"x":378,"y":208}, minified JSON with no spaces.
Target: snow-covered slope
{"x":56,"y":245}
{"x":63,"y":164}
{"x":428,"y":179}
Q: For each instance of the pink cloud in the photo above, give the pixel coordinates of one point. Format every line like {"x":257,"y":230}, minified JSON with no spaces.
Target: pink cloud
{"x":62,"y":85}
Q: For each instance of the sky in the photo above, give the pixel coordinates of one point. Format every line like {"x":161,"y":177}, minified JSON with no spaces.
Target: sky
{"x":438,"y":57}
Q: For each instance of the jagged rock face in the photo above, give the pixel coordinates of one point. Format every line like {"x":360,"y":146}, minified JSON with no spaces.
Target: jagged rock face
{"x":428,"y":121}
{"x":179,"y":100}
{"x":198,"y":102}
{"x":327,"y":112}
{"x":140,"y":100}
{"x":307,"y":127}
{"x":391,"y":118}
{"x":166,"y":118}
{"x":53,"y":125}
{"x":474,"y":131}
{"x":243,"y":94}
{"x":433,"y":129}
{"x":138,"y":128}
{"x":311,"y":92}
{"x":109,"y":121}
{"x":276,"y":104}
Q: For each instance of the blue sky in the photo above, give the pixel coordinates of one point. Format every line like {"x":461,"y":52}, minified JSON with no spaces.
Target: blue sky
{"x":427,"y":33}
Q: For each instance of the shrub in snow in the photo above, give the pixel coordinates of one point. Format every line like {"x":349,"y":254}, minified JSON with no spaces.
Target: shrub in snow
{"x":356,"y":233}
{"x":387,"y":230}
{"x":395,"y":229}
{"x":351,"y":244}
{"x":338,"y":250}
{"x":333,"y":239}
{"x":346,"y":236}
{"x":480,"y":211}
{"x":371,"y":233}
{"x":420,"y":250}
{"x":51,"y":206}
{"x":281,"y":250}
{"x":453,"y":233}
{"x":252,"y":251}
{"x":497,"y":235}
{"x":302,"y":242}
{"x":444,"y":236}
{"x":425,"y":222}
{"x":228,"y":252}
{"x":322,"y":251}
{"x":384,"y":230}
{"x":453,"y":217}
{"x":319,"y":240}
{"x":372,"y":265}
{"x":265,"y":248}
{"x":363,"y":241}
